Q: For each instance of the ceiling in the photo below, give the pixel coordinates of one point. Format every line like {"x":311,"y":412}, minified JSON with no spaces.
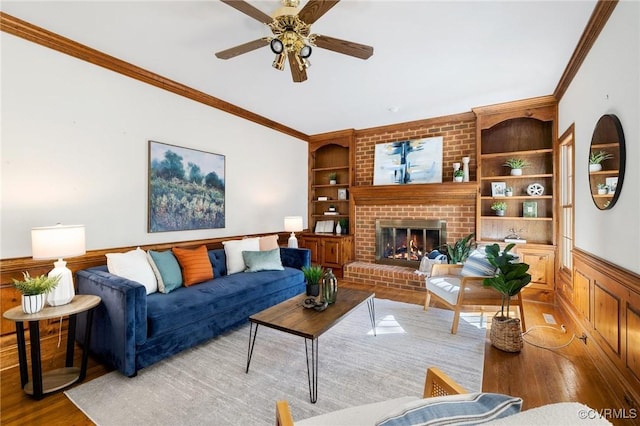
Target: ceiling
{"x":431,"y":58}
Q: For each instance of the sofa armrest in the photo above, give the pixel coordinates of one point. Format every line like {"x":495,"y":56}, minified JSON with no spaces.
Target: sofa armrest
{"x":295,"y":257}
{"x":120,"y":321}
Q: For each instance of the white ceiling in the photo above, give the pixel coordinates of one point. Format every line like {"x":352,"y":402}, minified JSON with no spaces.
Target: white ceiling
{"x":431,"y":58}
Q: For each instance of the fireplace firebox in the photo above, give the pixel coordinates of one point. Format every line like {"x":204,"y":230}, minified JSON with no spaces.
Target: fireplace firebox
{"x":405,"y":242}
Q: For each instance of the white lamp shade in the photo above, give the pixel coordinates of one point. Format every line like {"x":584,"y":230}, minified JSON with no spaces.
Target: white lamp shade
{"x":56,"y":242}
{"x":293,"y":223}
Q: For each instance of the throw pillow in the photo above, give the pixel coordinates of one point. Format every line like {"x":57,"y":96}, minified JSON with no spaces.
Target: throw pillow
{"x":262,"y":260}
{"x":167,"y":270}
{"x":477,"y":265}
{"x":268,"y":242}
{"x":195,"y":264}
{"x":134,"y":266}
{"x":233,"y":251}
{"x":470,"y":408}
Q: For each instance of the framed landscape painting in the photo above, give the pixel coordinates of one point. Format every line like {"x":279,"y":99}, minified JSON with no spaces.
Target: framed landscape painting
{"x":411,"y":161}
{"x":186,"y":189}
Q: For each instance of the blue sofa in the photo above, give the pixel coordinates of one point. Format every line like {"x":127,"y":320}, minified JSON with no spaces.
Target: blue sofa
{"x":132,"y":330}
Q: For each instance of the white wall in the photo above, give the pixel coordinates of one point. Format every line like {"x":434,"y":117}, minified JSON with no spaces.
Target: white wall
{"x":608,"y":83}
{"x":75,"y":151}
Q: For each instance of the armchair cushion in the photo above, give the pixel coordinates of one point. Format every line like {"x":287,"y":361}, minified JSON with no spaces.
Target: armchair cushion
{"x":445,"y":287}
{"x":477,"y":265}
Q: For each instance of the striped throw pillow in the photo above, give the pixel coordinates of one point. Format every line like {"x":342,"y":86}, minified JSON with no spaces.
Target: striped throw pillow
{"x":195,"y":264}
{"x":477,"y":265}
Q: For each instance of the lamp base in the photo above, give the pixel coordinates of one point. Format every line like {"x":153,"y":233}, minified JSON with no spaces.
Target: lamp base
{"x":293,"y":241}
{"x":64,"y":291}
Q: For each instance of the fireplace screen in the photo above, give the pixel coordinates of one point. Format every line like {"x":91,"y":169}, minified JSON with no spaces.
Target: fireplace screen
{"x":406,"y":242}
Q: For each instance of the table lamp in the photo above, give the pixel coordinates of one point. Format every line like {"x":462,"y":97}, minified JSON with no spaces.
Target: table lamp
{"x":293,"y":224}
{"x":56,"y":242}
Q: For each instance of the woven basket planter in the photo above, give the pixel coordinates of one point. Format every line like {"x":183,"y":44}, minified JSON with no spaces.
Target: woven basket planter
{"x":506,"y":334}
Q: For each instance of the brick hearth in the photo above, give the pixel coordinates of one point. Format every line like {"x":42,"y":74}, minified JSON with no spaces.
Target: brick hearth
{"x":391,"y":276}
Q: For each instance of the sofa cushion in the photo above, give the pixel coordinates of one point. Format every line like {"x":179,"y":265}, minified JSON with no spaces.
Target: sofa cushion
{"x":135,"y":266}
{"x":233,"y":250}
{"x":195,"y":264}
{"x":463,"y":409}
{"x":167,"y":270}
{"x":262,"y":260}
{"x":268,"y":242}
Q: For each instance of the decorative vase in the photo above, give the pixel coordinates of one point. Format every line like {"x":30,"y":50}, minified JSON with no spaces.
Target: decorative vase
{"x":499,"y":212}
{"x":595,"y":167}
{"x":506,"y":334}
{"x":329,"y":287}
{"x":332,"y":182}
{"x":508,"y":193}
{"x":457,"y":178}
{"x":465,"y":168}
{"x":313,"y":289}
{"x":34,"y":303}
{"x":338,"y":228}
{"x":602,"y":192}
{"x":456,"y":167}
{"x":516,"y":172}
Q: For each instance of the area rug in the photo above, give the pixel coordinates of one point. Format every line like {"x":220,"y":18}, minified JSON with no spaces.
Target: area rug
{"x":208,"y":384}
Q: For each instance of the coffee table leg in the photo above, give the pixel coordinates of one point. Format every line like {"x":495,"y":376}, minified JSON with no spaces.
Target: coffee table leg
{"x":312,"y":368}
{"x":252,"y":341}
{"x":372,"y":314}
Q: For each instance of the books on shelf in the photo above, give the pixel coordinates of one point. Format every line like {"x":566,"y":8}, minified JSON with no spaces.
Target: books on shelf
{"x":322,"y":198}
{"x":330,"y":213}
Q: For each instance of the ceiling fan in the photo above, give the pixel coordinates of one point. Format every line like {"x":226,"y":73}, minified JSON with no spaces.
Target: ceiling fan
{"x":292,"y":38}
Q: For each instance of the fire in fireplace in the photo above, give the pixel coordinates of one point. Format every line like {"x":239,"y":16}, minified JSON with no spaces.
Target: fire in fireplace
{"x":405,"y":242}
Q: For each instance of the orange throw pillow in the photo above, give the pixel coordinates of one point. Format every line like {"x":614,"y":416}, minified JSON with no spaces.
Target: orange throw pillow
{"x":195,"y":264}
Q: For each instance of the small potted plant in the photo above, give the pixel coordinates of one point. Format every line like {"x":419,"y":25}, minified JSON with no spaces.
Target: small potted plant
{"x":510,"y":278}
{"x":516,"y":164}
{"x":344,"y":226}
{"x":34,"y":291}
{"x":603,"y":189}
{"x":459,"y":251}
{"x":332,"y":208}
{"x":333,"y":178}
{"x":458,"y":175}
{"x":596,"y":158}
{"x":313,"y":276}
{"x":499,"y":207}
{"x":508,"y":191}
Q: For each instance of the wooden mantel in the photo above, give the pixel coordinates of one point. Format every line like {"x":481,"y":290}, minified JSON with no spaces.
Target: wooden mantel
{"x":447,"y":193}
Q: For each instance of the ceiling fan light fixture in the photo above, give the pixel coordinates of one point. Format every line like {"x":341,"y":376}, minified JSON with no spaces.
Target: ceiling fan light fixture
{"x":278,"y":63}
{"x":276,"y":46}
{"x":305,"y":51}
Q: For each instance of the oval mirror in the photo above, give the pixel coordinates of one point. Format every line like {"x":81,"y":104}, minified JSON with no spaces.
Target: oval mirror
{"x":606,"y":162}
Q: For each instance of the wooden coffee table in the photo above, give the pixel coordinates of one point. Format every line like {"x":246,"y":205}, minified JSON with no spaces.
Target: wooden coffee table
{"x":291,"y":317}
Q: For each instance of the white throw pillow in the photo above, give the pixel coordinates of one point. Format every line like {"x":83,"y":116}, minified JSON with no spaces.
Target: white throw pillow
{"x":134,"y":266}
{"x":233,"y":251}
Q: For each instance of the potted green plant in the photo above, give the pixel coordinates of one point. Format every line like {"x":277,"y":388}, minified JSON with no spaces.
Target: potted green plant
{"x":344,"y":226}
{"x":34,"y":291}
{"x":458,"y":175}
{"x":596,"y":158}
{"x":499,"y":207}
{"x":516,"y":164}
{"x":333,"y":178}
{"x":510,"y":278}
{"x":459,"y":251}
{"x":508,"y":191}
{"x":313,"y":275}
{"x":603,"y":189}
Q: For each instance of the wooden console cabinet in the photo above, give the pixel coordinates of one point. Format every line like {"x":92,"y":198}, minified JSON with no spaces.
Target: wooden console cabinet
{"x":328,"y":251}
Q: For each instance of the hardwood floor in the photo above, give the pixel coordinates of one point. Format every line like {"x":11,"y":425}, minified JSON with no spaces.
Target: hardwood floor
{"x":538,"y":375}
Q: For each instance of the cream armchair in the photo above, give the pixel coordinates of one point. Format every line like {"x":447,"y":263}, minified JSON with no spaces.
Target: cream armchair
{"x":459,"y":292}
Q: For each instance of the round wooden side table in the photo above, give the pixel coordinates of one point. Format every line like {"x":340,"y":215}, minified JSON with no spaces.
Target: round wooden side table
{"x":43,"y":383}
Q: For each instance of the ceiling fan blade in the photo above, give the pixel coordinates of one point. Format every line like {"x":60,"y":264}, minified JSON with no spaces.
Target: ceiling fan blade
{"x":298,"y":75}
{"x":249,"y":10}
{"x":345,"y":47}
{"x":242,"y":48}
{"x":314,"y":9}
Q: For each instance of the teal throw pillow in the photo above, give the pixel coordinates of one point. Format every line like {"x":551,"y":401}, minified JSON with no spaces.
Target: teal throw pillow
{"x":167,"y":270}
{"x":268,"y":260}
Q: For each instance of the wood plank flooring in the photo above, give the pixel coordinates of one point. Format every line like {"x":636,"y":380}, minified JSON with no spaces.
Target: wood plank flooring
{"x":538,"y":375}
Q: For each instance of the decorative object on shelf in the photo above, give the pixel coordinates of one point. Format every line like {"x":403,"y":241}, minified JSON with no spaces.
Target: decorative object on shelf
{"x":458,"y":176}
{"x":344,"y":225}
{"x":312,"y":275}
{"x":409,"y":161}
{"x":332,"y":208}
{"x":456,"y":167}
{"x":34,"y":290}
{"x":498,"y":189}
{"x":535,"y":189}
{"x":508,"y":191}
{"x":612,"y":183}
{"x":323,"y":198}
{"x":333,"y":178}
{"x":465,"y":168}
{"x":323,"y":226}
{"x":329,"y":287}
{"x":342,"y":193}
{"x":338,"y":228}
{"x":293,"y":224}
{"x":57,"y":242}
{"x":596,"y":159}
{"x":514,"y":237}
{"x":511,"y":277}
{"x":459,"y":251}
{"x":499,"y":207}
{"x":529,"y":209}
{"x":516,"y":164}
{"x":603,"y":189}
